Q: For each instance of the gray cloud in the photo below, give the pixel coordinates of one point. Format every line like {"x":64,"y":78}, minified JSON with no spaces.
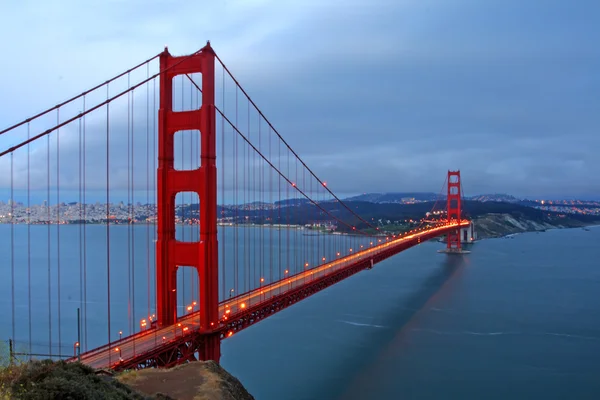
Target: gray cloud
{"x":376,"y":96}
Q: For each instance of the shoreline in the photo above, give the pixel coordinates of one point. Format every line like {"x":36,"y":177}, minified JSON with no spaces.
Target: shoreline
{"x":505,"y":228}
{"x":593,"y":225}
{"x":305,"y":230}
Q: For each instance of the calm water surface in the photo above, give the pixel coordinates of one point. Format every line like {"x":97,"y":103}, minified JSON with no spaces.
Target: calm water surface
{"x":516,"y":318}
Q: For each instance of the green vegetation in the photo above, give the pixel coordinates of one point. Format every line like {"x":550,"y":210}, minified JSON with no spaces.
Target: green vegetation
{"x":37,"y":380}
{"x":4,"y":354}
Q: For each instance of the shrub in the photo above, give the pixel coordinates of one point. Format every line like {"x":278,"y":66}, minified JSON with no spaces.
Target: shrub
{"x":41,"y":380}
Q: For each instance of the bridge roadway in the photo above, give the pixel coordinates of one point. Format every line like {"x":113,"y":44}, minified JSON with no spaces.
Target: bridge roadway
{"x":132,"y":346}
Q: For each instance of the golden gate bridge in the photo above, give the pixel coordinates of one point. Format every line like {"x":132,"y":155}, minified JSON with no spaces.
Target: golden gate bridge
{"x":180,"y":137}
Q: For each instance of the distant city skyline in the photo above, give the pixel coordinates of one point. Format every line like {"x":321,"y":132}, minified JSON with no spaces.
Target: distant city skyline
{"x":118,"y":196}
{"x":121,"y":212}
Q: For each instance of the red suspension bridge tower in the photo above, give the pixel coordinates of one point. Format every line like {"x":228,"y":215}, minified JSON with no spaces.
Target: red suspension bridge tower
{"x":454,"y":209}
{"x":171,"y":253}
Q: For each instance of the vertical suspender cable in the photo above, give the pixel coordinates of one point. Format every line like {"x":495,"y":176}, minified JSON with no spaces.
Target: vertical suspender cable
{"x":236,"y":188}
{"x":84,"y":222}
{"x":255,"y":234}
{"x":197,"y":149}
{"x":288,"y":207}
{"x":297,"y":243}
{"x":317,"y":243}
{"x":58,"y":227}
{"x":154,"y":150}
{"x":223,"y":260}
{"x":247,"y":287}
{"x":129,"y":202}
{"x":245,"y":230}
{"x":131,"y":222}
{"x":261,"y":199}
{"x":279,"y":221}
{"x":257,"y":214}
{"x":271,"y":214}
{"x":49,"y":222}
{"x":80,"y":225}
{"x":108,"y":216}
{"x":325,"y":240}
{"x":29,"y":237}
{"x":12,"y":243}
{"x":147,"y":208}
{"x":306,"y":237}
{"x":191,"y":214}
{"x":313,"y":251}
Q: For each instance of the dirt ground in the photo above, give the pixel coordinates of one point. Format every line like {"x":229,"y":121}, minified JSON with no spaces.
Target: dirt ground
{"x":200,"y":380}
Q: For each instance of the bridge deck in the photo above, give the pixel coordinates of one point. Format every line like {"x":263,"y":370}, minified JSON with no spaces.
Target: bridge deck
{"x":236,"y":308}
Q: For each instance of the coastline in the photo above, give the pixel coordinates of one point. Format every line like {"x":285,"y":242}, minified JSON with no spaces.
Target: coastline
{"x":488,"y":226}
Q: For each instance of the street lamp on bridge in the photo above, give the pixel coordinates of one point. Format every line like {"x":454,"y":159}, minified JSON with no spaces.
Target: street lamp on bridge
{"x":260,"y":288}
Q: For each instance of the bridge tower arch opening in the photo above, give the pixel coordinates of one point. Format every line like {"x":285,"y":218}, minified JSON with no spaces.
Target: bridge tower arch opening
{"x":172,"y":253}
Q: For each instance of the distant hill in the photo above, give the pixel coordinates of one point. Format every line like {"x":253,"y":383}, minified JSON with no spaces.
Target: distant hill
{"x":400,"y":197}
{"x":411,"y":197}
{"x":372,"y":212}
{"x":495,"y":197}
{"x":291,"y":202}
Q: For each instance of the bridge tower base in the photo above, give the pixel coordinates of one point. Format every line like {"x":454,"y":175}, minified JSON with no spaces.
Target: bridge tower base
{"x":170,"y":252}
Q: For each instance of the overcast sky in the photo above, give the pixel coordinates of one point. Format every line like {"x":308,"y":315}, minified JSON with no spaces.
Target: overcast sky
{"x":375,"y":95}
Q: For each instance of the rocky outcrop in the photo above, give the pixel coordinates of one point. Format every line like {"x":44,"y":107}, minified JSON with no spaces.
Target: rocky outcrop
{"x":497,"y":225}
{"x":37,"y":380}
{"x":197,"y":380}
